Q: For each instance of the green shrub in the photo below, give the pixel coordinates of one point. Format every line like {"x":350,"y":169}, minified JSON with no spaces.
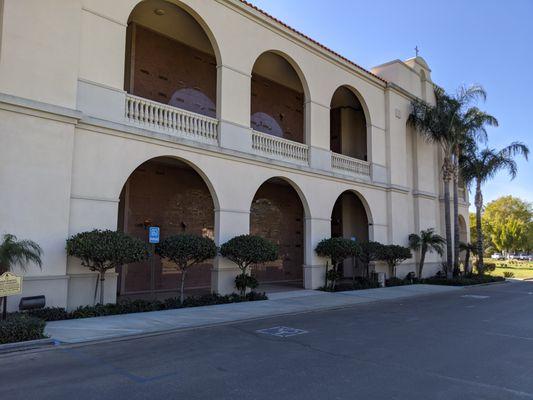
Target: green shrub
{"x":20,"y":328}
{"x":49,"y":313}
{"x":463,"y":281}
{"x":136,"y":306}
{"x":393,"y":281}
{"x":487,"y":267}
{"x":185,"y":251}
{"x":103,"y":250}
{"x":508,"y":274}
{"x":246,"y":250}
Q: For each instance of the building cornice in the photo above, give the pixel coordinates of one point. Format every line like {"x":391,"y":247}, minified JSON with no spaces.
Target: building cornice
{"x":38,"y":109}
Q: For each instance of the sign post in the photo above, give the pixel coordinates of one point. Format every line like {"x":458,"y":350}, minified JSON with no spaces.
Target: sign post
{"x":10,"y":284}
{"x":153,"y":239}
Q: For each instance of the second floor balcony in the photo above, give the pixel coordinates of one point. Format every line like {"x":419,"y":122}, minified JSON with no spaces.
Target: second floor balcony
{"x":172,"y":84}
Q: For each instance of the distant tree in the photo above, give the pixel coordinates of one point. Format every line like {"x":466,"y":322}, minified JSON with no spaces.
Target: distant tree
{"x":185,"y":251}
{"x":426,"y":240}
{"x":245,"y":251}
{"x":507,"y":223}
{"x":478,"y":167}
{"x":102,"y":250}
{"x":393,"y":255}
{"x":337,"y":250}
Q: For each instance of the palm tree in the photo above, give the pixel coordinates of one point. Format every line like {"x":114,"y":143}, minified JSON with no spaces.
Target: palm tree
{"x":426,"y":241}
{"x":438,"y":124}
{"x":470,"y":128}
{"x":14,"y":252}
{"x":468,"y":248}
{"x":20,"y":253}
{"x":480,"y":166}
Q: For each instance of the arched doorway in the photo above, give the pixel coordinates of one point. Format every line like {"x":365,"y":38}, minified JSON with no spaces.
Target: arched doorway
{"x":277,"y":214}
{"x":349,"y":220}
{"x":348,"y":125}
{"x":168,"y":193}
{"x":170,"y":58}
{"x":278,"y":98}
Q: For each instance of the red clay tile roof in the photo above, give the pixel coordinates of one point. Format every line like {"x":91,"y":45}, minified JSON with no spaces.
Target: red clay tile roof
{"x":310,"y":39}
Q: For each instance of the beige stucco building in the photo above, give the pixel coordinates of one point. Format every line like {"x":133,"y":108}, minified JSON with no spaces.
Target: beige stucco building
{"x":202,"y":116}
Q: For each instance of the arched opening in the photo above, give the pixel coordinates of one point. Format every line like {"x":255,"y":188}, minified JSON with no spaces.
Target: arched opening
{"x":170,"y":58}
{"x":349,"y":220}
{"x":168,"y":193}
{"x":348,"y":125}
{"x":277,"y":214}
{"x":278,"y":98}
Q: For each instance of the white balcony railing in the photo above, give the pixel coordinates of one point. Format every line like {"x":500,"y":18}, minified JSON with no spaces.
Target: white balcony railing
{"x":283,"y":149}
{"x":349,"y":164}
{"x":172,"y":120}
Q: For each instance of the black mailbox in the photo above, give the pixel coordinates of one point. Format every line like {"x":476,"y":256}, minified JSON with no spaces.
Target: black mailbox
{"x":32,"y":303}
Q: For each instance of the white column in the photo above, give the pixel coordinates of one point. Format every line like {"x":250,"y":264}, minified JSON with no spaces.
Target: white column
{"x":234,"y":105}
{"x":316,"y":229}
{"x":228,"y":224}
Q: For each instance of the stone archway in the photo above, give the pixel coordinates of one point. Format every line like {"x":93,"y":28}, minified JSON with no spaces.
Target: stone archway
{"x":278,"y":94}
{"x":277,"y":213}
{"x":171,"y":58}
{"x":168,"y":193}
{"x":349,"y":219}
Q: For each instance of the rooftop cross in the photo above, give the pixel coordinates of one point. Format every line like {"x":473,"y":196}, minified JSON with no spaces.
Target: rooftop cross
{"x":417,"y":50}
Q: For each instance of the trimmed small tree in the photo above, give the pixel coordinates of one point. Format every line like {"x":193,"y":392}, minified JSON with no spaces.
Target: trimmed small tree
{"x":185,"y":251}
{"x":337,"y":250}
{"x":468,"y":248}
{"x":426,"y":241}
{"x":369,"y":252}
{"x":247,"y":250}
{"x":102,"y":250}
{"x":393,"y":255}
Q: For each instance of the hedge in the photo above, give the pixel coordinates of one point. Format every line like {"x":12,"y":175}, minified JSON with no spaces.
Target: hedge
{"x":21,"y":328}
{"x":136,"y":306}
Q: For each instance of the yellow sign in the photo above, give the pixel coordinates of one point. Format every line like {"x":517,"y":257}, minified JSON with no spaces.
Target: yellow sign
{"x":10,"y":284}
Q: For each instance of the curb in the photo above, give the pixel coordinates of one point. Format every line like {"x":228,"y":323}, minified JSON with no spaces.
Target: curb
{"x":28,"y":345}
{"x":129,"y":337}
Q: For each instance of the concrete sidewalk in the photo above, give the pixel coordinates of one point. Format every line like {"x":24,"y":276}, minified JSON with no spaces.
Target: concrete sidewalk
{"x":91,"y":329}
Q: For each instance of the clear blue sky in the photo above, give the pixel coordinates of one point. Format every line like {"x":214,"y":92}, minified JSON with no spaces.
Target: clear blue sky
{"x":489,"y":42}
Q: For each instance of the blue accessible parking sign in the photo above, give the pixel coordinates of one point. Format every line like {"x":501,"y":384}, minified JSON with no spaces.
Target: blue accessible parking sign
{"x":153,"y":234}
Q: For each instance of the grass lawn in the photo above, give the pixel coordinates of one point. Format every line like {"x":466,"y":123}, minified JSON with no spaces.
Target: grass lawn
{"x":520,"y":269}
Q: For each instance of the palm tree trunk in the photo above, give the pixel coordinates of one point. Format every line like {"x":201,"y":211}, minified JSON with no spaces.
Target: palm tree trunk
{"x":467,"y":262}
{"x":449,"y":256}
{"x":456,"y":235}
{"x":479,"y":207}
{"x":421,"y":265}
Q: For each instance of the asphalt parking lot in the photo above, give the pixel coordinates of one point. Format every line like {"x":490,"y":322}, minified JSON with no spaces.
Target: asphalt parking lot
{"x":472,"y":344}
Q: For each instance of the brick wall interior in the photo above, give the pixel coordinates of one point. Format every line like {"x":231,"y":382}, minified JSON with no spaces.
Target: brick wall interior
{"x":283,"y":104}
{"x":162,"y":69}
{"x":175,"y":198}
{"x":277,"y":215}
